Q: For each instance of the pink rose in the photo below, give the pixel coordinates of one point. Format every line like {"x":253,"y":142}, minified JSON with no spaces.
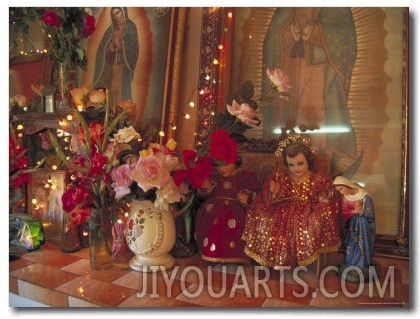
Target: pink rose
{"x":121,"y":180}
{"x":150,"y":172}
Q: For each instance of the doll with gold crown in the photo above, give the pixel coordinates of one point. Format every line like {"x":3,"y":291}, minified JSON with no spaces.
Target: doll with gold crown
{"x":295,"y":217}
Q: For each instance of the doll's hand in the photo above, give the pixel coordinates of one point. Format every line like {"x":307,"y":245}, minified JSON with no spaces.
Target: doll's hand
{"x":245,"y":197}
{"x":206,"y":184}
{"x":242,"y":198}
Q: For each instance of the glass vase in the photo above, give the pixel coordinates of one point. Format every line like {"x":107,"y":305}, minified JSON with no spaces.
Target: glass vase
{"x":99,"y":239}
{"x":121,"y":253}
{"x":70,"y":242}
{"x":66,"y":79}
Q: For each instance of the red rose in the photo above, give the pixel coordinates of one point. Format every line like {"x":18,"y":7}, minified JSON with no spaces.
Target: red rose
{"x":88,"y":26}
{"x":50,"y":18}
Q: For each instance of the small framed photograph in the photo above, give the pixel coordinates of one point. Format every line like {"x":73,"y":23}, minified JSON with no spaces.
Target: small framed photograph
{"x":45,"y":188}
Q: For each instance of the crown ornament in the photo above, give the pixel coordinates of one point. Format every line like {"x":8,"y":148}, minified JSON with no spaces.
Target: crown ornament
{"x":294,"y":138}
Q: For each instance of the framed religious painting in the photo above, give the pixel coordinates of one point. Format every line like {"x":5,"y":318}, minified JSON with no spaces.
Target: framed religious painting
{"x":135,"y":52}
{"x":45,"y":188}
{"x":339,"y":75}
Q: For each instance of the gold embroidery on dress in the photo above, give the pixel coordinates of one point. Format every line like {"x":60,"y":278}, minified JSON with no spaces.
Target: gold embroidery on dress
{"x":232,"y":223}
{"x":227,"y":185}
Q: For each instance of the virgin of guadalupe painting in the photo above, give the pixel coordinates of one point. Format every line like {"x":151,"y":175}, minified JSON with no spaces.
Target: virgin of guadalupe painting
{"x":315,"y":48}
{"x":127,"y":55}
{"x":339,"y":74}
{"x":116,"y":57}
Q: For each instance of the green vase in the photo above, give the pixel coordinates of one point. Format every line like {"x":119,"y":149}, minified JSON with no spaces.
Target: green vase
{"x":100,"y":239}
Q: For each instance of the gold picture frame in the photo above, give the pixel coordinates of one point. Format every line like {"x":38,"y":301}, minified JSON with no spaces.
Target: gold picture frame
{"x":45,"y":188}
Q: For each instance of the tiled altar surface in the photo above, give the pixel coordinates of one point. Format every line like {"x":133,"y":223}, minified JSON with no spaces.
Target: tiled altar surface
{"x":65,"y":280}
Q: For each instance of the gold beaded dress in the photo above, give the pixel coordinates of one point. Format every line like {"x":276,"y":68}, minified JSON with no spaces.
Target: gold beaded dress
{"x":293,"y":225}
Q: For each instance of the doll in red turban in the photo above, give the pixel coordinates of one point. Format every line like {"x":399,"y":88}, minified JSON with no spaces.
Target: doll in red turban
{"x":220,"y":221}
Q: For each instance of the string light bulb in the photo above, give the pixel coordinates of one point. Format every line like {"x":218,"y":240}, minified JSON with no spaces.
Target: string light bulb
{"x":191,"y":104}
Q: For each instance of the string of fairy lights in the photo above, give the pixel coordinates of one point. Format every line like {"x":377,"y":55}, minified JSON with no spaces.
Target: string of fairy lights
{"x":207,"y":87}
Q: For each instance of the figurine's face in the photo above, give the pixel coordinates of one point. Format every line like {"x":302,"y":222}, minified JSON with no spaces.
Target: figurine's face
{"x":298,"y":166}
{"x":344,"y":190}
{"x":226,"y":170}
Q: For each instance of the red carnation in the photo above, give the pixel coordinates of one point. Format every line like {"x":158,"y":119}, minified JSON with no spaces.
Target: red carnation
{"x":223,"y":147}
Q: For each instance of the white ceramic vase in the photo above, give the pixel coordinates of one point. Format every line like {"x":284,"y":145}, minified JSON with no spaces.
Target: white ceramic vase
{"x":151,"y":235}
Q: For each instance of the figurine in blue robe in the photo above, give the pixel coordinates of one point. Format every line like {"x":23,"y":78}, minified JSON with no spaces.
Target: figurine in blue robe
{"x":359,"y":215}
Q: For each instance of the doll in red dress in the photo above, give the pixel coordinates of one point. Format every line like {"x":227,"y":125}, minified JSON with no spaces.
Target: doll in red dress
{"x":220,"y":221}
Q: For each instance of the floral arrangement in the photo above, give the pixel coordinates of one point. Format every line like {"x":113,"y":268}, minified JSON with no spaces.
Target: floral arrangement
{"x":18,"y":161}
{"x":65,"y":27}
{"x":112,"y":163}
